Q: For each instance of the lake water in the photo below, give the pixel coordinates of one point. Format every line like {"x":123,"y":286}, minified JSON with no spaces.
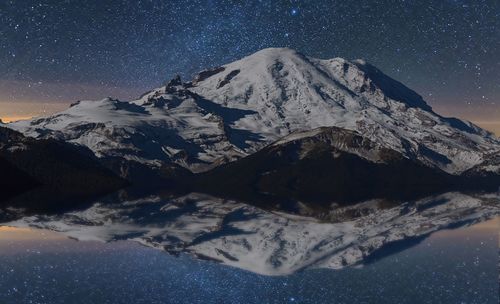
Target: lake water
{"x":41,"y":266}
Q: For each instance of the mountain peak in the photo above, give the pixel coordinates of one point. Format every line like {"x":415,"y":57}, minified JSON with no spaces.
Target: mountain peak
{"x":236,"y":109}
{"x":293,"y":92}
{"x":276,"y":52}
{"x":277,"y":58}
{"x":176,"y":81}
{"x":274,"y":68}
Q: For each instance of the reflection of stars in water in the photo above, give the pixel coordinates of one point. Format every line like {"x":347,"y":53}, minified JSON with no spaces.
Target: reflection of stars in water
{"x":65,"y":271}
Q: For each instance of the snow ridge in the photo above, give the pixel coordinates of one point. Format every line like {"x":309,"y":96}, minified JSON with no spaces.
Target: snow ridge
{"x":231,"y":111}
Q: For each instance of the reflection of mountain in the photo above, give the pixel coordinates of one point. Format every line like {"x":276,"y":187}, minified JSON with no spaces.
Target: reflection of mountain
{"x":267,"y":242}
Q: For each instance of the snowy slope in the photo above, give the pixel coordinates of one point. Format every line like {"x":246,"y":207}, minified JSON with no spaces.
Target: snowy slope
{"x":270,"y":243}
{"x":173,"y":128}
{"x":292,"y":92}
{"x":236,"y":109}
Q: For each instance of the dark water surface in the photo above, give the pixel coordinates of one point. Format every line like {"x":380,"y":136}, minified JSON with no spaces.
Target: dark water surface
{"x":38,"y":266}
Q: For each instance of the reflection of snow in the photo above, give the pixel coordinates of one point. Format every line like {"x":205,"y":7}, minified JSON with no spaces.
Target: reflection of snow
{"x":265,"y":242}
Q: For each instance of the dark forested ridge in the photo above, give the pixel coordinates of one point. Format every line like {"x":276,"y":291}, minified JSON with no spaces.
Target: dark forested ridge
{"x":67,"y":170}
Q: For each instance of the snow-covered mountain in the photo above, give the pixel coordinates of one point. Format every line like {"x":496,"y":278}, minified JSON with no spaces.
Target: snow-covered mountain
{"x":292,"y":92}
{"x":170,"y":128}
{"x":264,"y":242}
{"x":234,"y":110}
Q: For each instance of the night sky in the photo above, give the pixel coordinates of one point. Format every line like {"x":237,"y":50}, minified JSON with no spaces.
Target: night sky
{"x":61,"y":51}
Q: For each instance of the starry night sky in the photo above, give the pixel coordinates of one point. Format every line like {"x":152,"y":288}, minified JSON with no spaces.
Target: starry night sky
{"x":61,"y":51}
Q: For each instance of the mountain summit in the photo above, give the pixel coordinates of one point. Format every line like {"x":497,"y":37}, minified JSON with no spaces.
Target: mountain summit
{"x":294,"y":92}
{"x":231,"y":111}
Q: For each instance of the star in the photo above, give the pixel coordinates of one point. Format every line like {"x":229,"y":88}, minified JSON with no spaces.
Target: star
{"x":126,"y":48}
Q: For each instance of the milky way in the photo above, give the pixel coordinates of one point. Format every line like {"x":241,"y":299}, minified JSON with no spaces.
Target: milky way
{"x":447,"y":50}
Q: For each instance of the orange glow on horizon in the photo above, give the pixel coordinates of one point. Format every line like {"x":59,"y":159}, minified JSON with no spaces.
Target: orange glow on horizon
{"x":493,"y":224}
{"x":493,"y":126}
{"x":27,"y":234}
{"x":9,"y":228}
{"x":8,"y":119}
{"x":14,"y":111}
